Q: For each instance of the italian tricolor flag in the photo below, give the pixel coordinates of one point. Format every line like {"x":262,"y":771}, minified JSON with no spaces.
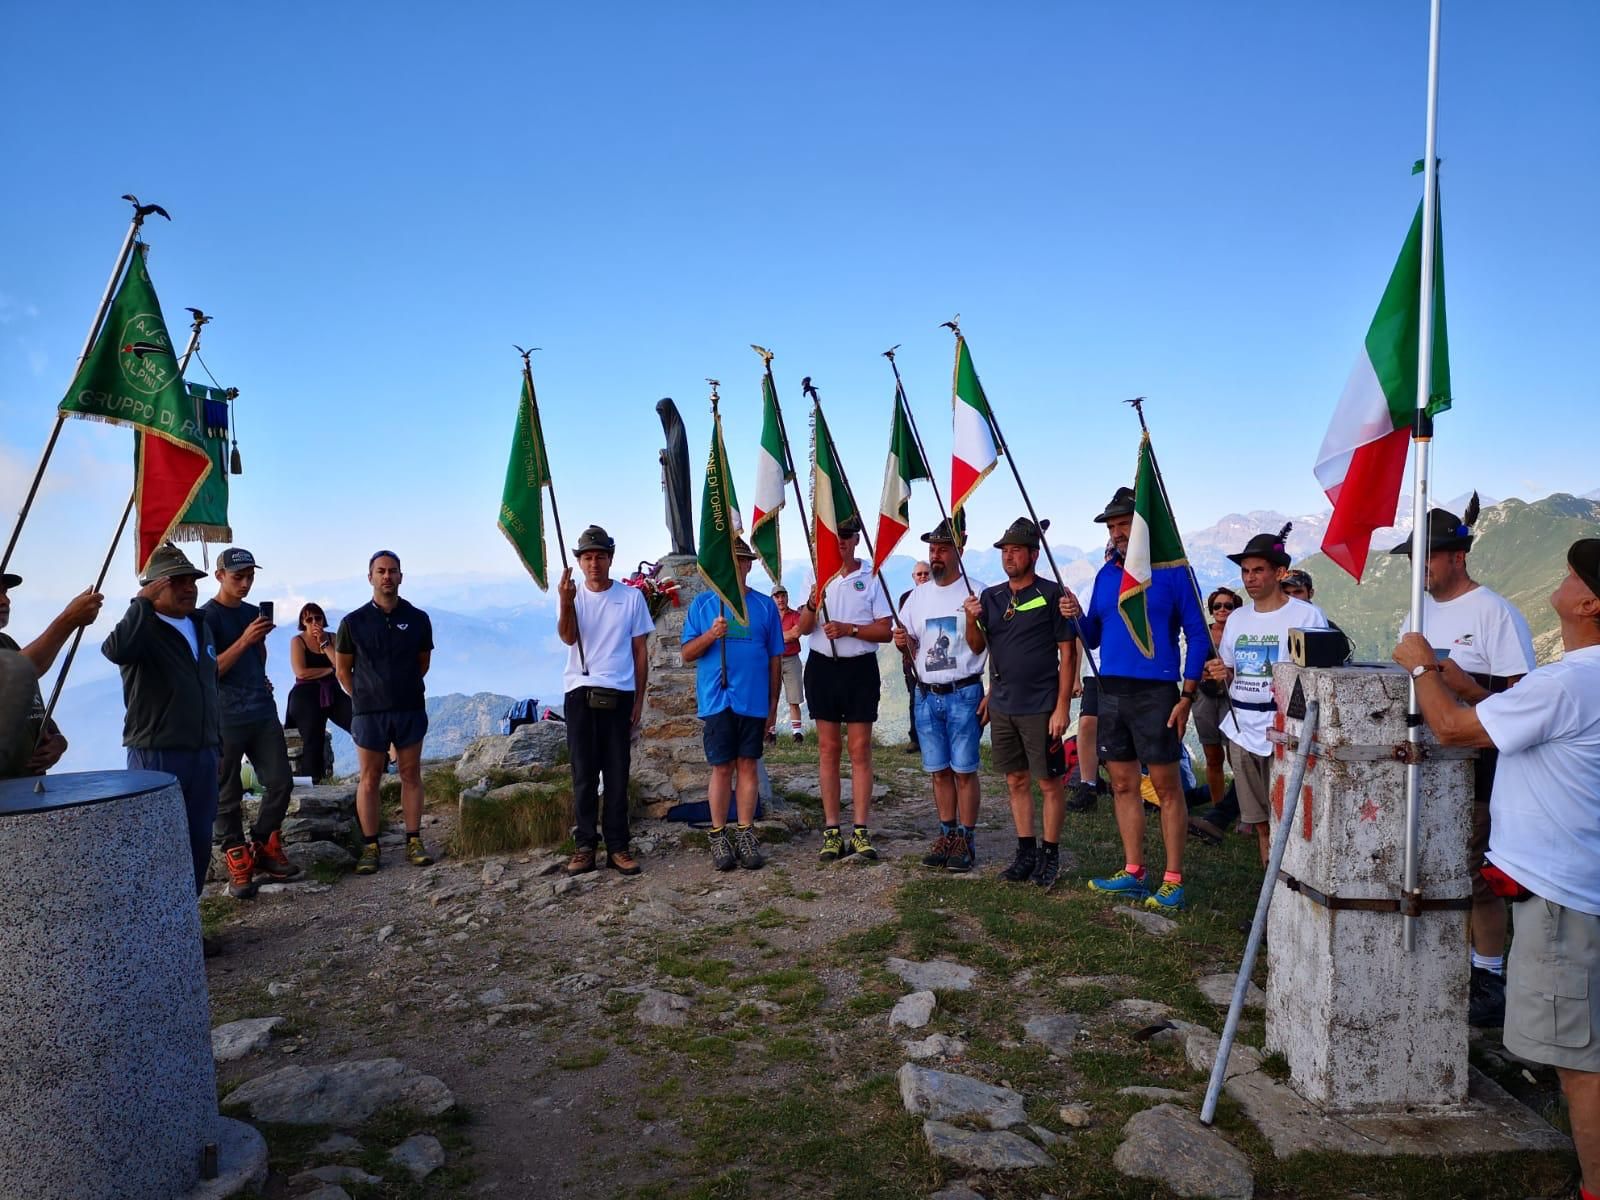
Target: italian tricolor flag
{"x":830,"y":503}
{"x":772,"y":472}
{"x":905,"y":464}
{"x":1363,"y":456}
{"x":1152,"y":542}
{"x":974,"y":453}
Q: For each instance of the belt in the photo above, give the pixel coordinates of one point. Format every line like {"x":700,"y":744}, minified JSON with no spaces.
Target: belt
{"x":1254,"y":705}
{"x":944,"y":689}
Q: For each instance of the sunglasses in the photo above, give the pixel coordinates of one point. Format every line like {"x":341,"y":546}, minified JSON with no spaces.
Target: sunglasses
{"x":1223,"y":606}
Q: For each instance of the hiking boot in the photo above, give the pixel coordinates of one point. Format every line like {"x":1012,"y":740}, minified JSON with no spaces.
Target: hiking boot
{"x":833,"y":846}
{"x":861,"y":843}
{"x":797,"y":736}
{"x":939,"y":855}
{"x":748,"y":848}
{"x":367,"y":864}
{"x":1167,"y":898}
{"x":622,"y":862}
{"x":1084,"y":797}
{"x":416,"y":853}
{"x":963,"y":853}
{"x":1046,"y":869}
{"x":241,"y":871}
{"x":723,"y":855}
{"x":582,"y":861}
{"x":1121,"y":884}
{"x":1022,"y":865}
{"x":271,"y":861}
{"x":1486,"y":999}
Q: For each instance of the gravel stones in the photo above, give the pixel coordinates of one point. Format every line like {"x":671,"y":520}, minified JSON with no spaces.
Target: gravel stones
{"x":1170,"y":1145}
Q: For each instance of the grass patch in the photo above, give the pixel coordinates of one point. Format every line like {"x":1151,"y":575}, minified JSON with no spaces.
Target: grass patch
{"x":327,"y":872}
{"x":214,"y":914}
{"x":440,"y":786}
{"x":582,"y":1060}
{"x":713,"y":972}
{"x":518,"y":817}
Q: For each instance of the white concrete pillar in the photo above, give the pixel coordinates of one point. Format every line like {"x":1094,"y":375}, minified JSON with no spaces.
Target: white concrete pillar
{"x":1365,"y":1025}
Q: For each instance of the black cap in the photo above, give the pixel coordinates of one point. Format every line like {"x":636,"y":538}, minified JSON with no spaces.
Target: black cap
{"x":1584,"y":559}
{"x":1299,"y":577}
{"x":236,"y":558}
{"x":1021,"y":532}
{"x":1270,"y":546}
{"x":9,"y":581}
{"x":595,"y":538}
{"x":850,"y":527}
{"x":940,"y":535}
{"x":1121,"y":505}
{"x":1446,"y":531}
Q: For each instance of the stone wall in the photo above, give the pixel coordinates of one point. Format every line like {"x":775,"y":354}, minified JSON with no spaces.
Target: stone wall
{"x":669,"y":764}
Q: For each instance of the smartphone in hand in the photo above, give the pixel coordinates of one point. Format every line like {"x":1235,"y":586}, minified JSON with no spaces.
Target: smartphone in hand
{"x":266,"y":612}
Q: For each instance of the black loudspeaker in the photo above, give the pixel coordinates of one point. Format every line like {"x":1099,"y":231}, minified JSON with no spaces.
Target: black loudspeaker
{"x":1318,"y":648}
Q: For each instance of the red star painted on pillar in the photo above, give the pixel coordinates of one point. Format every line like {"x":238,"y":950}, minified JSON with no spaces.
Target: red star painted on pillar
{"x":1368,"y":810}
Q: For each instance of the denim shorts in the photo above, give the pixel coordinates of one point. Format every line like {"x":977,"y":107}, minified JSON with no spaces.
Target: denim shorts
{"x":947,"y":728}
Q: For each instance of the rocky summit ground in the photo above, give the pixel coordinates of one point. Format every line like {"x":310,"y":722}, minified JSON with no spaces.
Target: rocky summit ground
{"x":488,"y":1027}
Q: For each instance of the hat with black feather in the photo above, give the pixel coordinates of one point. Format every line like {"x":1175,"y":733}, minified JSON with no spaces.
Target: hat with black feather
{"x":1270,"y":546}
{"x":1446,"y":531}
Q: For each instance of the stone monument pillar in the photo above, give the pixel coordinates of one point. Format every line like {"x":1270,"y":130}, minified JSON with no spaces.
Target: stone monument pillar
{"x":669,"y":764}
{"x":109,"y":1089}
{"x":1365,"y":1025}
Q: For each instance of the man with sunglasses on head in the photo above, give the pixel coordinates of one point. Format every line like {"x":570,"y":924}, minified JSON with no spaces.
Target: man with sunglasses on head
{"x":1033,"y":664}
{"x":1144,"y":709}
{"x":250,"y":729}
{"x":382,"y":653}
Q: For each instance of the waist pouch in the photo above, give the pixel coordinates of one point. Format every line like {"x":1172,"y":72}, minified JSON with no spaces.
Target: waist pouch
{"x":604,"y":699}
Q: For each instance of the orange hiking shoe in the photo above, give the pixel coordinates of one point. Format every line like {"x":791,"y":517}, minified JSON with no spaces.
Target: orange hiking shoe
{"x":241,"y":872}
{"x":271,"y":861}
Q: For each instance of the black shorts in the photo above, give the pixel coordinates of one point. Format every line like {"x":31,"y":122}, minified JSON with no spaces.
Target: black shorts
{"x":1133,"y":721}
{"x":842,"y":690}
{"x":396,"y":727}
{"x":729,"y":736}
{"x":1089,"y":702}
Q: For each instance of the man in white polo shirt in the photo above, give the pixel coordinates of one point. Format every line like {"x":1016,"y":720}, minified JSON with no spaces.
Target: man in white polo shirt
{"x":1544,"y":842}
{"x":1487,"y":647}
{"x":842,"y":688}
{"x":604,"y":683}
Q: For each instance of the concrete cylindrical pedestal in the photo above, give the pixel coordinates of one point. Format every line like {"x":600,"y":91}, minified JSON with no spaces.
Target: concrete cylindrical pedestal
{"x":109,"y":1088}
{"x":1364,"y":1024}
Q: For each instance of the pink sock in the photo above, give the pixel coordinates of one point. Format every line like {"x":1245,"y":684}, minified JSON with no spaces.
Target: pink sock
{"x":1172,"y":877}
{"x":1134,"y":869}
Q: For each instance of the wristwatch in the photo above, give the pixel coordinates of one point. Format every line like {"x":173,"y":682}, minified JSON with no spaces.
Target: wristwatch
{"x":1421,"y":669}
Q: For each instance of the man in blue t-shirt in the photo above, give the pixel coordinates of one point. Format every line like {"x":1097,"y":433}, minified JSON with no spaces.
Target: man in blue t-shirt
{"x":1143,"y":706}
{"x":737,"y":672}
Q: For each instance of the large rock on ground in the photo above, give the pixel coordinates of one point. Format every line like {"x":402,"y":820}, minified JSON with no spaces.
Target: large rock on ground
{"x":345,"y":1094}
{"x":936,"y":976}
{"x":1219,"y":990}
{"x":532,"y":747}
{"x":945,"y":1096}
{"x":1056,"y":1032}
{"x":913,"y":1011}
{"x":238,"y":1038}
{"x":1170,"y":1145}
{"x":978,"y":1151}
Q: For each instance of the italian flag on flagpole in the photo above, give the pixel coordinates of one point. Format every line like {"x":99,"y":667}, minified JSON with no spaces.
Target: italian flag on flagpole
{"x":1363,"y":457}
{"x":974,"y":453}
{"x":1152,"y":542}
{"x":904,"y":465}
{"x":830,"y":503}
{"x":771,"y":474}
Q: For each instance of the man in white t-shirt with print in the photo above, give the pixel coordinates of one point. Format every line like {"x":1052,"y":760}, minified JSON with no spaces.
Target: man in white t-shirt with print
{"x":842,"y":688}
{"x":1544,"y":845}
{"x":1256,"y":637}
{"x":947,"y":701}
{"x":605,"y":625}
{"x":1486,"y":647}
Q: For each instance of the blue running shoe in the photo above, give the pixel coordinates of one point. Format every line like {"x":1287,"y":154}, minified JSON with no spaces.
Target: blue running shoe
{"x":1168,"y":898}
{"x":1121,"y":884}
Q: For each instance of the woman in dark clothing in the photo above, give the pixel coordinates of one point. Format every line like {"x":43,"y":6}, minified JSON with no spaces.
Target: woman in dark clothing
{"x":316,"y":697}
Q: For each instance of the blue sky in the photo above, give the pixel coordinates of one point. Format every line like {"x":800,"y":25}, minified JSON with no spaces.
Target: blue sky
{"x":1200,"y":203}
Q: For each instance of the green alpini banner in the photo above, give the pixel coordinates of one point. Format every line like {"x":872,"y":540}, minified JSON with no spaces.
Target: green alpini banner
{"x":719,"y":526}
{"x":1152,"y":542}
{"x":527,"y":475}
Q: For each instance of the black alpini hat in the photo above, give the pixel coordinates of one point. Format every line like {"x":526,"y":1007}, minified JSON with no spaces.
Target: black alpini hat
{"x":1022,"y":532}
{"x":1121,"y":505}
{"x":595,"y":538}
{"x":850,"y":527}
{"x":1268,"y":546}
{"x":940,"y":535}
{"x":1446,"y":531}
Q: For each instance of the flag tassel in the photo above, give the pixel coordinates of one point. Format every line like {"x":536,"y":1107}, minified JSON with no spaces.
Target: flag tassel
{"x":140,"y":211}
{"x":111,"y":553}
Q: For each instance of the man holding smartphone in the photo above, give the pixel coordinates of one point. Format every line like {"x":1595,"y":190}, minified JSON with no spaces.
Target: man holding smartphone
{"x":250,"y":729}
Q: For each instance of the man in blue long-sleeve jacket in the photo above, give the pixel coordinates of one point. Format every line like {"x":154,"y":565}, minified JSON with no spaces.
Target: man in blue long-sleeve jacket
{"x":1143,"y":707}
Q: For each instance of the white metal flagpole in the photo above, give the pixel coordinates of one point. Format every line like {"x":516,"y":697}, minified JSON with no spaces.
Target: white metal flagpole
{"x":1422,"y":436}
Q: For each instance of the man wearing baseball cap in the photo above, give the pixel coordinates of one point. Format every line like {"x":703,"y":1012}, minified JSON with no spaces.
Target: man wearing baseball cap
{"x":169,"y":687}
{"x":79,"y":613}
{"x":1544,"y":840}
{"x":250,"y":729}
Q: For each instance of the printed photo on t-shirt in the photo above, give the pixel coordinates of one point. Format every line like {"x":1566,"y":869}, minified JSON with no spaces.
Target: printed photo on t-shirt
{"x":938,"y":644}
{"x":1254,"y":655}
